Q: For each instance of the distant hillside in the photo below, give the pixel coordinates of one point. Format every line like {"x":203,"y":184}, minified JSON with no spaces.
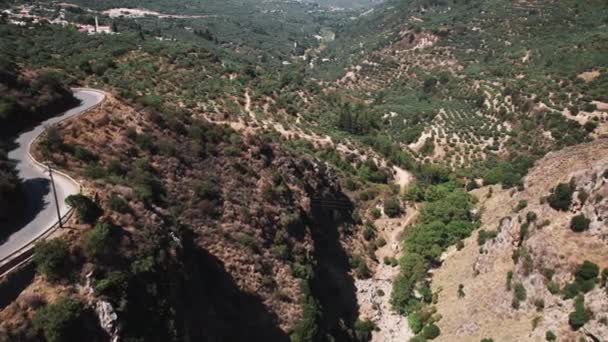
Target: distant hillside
{"x":347,"y":4}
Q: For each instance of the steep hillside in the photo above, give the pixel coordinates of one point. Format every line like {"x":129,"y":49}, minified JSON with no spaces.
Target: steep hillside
{"x":524,"y":279}
{"x":257,"y":246}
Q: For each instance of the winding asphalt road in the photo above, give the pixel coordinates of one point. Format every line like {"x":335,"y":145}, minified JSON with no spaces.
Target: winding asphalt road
{"x":41,"y":210}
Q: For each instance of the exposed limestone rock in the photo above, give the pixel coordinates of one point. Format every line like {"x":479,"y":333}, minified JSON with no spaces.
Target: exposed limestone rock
{"x":108,"y":319}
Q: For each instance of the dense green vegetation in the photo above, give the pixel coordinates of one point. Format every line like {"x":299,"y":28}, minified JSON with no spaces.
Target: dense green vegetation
{"x":52,"y":258}
{"x":445,"y":218}
{"x":61,"y":320}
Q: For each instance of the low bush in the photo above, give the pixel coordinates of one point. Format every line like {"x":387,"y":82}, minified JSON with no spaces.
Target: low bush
{"x":86,"y":210}
{"x":207,"y":189}
{"x":571,"y":290}
{"x":117,"y":203}
{"x":521,"y":205}
{"x":414,"y":321}
{"x":368,"y":231}
{"x":51,"y":258}
{"x":579,"y":316}
{"x":61,"y":320}
{"x":579,"y":223}
{"x":363,"y":329}
{"x":561,"y":196}
{"x":392,"y":207}
{"x":485,"y":235}
{"x":113,"y":285}
{"x":553,"y":287}
{"x":83,"y":154}
{"x":431,"y":331}
{"x":97,"y":242}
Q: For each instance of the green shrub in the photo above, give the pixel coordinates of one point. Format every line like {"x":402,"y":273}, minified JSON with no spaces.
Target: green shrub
{"x":207,"y":189}
{"x":550,"y":336}
{"x":146,"y":142}
{"x":307,"y":328}
{"x":521,"y":205}
{"x":519,"y":292}
{"x":94,"y":171}
{"x":391,"y":207}
{"x":363,"y":329}
{"x":509,"y":280}
{"x":531,"y":217}
{"x":553,"y":287}
{"x":580,"y":316}
{"x":571,"y":290}
{"x":362,"y":271}
{"x":113,"y":285}
{"x":118,"y":204}
{"x":587,"y":271}
{"x":371,"y":173}
{"x":61,"y":320}
{"x":146,"y":186}
{"x":583,"y":196}
{"x":561,"y":197}
{"x":52,"y":141}
{"x":414,"y":321}
{"x":86,"y":210}
{"x":485,"y":235}
{"x":83,"y":154}
{"x":245,"y":239}
{"x":523,"y":231}
{"x":376,"y":213}
{"x":51,"y":258}
{"x":116,"y":168}
{"x":431,"y":331}
{"x":579,"y":223}
{"x":97,"y":242}
{"x":548,"y":273}
{"x":368,"y":231}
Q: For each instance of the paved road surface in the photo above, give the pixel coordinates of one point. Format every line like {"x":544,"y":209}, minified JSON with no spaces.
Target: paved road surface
{"x":42,"y":213}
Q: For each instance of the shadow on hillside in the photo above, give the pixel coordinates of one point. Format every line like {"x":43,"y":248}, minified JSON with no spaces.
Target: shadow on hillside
{"x":34,"y":192}
{"x":333,"y":286}
{"x":216,"y":309}
{"x":13,"y":284}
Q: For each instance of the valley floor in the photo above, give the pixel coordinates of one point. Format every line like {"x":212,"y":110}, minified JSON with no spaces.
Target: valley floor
{"x":373,"y":294}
